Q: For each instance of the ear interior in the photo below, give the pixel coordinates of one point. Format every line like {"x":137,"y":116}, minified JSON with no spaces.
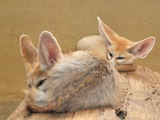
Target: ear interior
{"x":142,"y":48}
{"x":106,"y":32}
{"x":28,"y":51}
{"x":49,"y":50}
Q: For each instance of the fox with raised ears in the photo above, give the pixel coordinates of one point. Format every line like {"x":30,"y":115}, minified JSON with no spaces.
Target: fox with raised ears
{"x":119,"y":50}
{"x":67,"y":82}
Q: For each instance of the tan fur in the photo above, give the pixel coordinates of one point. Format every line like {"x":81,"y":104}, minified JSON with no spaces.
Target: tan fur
{"x":96,"y":44}
{"x":110,"y":42}
{"x":75,"y":81}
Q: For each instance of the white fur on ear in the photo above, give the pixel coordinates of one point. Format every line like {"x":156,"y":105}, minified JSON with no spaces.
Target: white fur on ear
{"x":28,"y":52}
{"x":102,"y":32}
{"x":49,"y":50}
{"x":106,"y":32}
{"x":142,"y":48}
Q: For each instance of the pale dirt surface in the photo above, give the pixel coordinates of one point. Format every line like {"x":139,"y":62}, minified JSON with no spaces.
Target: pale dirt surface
{"x":68,"y":21}
{"x":6,"y":108}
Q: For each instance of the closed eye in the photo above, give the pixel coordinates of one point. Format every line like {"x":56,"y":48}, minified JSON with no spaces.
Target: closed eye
{"x":120,"y":58}
{"x":110,"y":54}
{"x":29,"y":86}
{"x":41,"y":82}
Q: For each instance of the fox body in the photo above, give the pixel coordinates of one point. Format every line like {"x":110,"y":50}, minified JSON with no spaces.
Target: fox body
{"x":67,"y":83}
{"x":119,"y":50}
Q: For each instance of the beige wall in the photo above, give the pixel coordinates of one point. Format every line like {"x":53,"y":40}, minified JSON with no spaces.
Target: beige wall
{"x":69,"y":20}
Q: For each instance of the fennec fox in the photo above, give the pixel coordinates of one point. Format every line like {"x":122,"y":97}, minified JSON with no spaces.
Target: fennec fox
{"x":67,"y":83}
{"x":119,"y":50}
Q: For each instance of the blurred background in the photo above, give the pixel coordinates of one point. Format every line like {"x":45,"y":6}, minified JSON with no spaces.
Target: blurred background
{"x":68,"y":20}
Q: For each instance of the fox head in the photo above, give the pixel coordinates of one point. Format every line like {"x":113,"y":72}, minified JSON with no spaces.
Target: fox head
{"x":121,"y":50}
{"x":38,"y":62}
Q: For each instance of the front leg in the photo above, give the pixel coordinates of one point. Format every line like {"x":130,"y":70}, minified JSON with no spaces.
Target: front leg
{"x":38,"y":108}
{"x":126,"y":67}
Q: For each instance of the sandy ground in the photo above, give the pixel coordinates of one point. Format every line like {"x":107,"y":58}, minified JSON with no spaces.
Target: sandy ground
{"x":6,"y":108}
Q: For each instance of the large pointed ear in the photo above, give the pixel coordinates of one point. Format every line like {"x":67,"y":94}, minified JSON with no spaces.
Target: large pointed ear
{"x":49,"y":50}
{"x":28,"y":52}
{"x":142,"y":48}
{"x":106,"y":32}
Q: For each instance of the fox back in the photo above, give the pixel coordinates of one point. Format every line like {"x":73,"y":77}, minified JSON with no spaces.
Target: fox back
{"x":119,"y":50}
{"x":67,"y":83}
